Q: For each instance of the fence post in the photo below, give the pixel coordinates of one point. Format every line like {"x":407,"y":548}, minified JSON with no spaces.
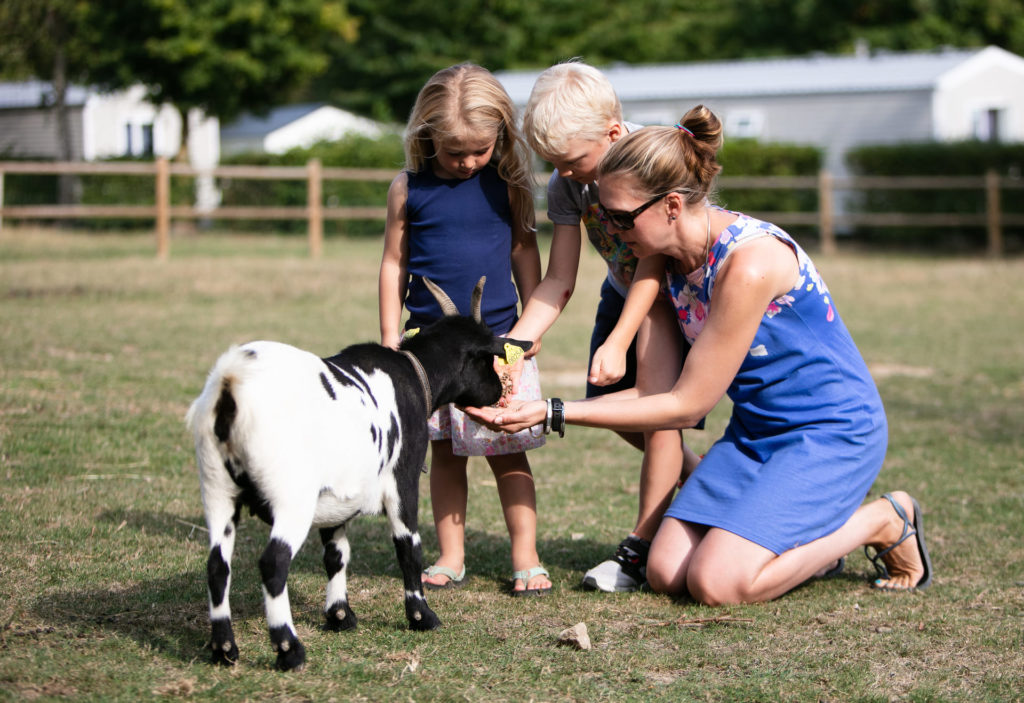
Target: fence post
{"x":314,"y":207}
{"x":826,"y":219}
{"x":163,"y":207}
{"x":993,"y":214}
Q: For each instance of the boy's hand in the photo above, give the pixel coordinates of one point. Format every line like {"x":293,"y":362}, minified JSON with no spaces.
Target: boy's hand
{"x":608,"y":366}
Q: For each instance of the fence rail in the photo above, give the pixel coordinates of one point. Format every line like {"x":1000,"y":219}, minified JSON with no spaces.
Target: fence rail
{"x":826,"y":217}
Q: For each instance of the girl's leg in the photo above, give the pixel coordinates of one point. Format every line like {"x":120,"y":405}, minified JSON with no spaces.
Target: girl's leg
{"x":519,"y":505}
{"x":726,"y":568}
{"x":448,"y":495}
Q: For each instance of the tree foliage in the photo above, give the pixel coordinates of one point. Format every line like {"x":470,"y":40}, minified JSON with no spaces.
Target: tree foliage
{"x":401,"y":43}
{"x":223,"y":56}
{"x":372,"y":56}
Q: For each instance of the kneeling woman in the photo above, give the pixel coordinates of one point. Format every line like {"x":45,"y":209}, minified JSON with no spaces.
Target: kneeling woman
{"x":779,"y":497}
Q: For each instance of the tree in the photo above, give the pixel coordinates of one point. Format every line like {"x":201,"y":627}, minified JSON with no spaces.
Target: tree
{"x":50,"y":39}
{"x":222,"y":56}
{"x":401,"y":43}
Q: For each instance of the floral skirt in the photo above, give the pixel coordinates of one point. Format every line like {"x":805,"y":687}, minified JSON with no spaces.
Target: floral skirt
{"x":469,"y":438}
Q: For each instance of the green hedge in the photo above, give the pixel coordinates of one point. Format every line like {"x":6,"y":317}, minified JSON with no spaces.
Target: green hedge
{"x":93,"y":189}
{"x":748,"y":157}
{"x":350,"y":152}
{"x":969,"y":158}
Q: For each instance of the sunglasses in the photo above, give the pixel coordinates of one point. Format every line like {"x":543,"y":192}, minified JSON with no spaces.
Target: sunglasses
{"x":624,"y":221}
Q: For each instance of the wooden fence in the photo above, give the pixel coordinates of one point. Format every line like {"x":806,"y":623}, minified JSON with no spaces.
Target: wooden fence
{"x":826,"y":218}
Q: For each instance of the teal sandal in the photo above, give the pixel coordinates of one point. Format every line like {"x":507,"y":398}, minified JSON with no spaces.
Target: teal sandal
{"x":454,"y":579}
{"x":525,"y":575}
{"x":913,"y":529}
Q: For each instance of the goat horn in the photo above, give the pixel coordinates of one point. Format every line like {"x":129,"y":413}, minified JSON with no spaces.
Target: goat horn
{"x":447,"y":306}
{"x":478,"y":293}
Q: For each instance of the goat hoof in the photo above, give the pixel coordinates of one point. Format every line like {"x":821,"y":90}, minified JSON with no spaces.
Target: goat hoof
{"x":423,"y":620}
{"x":293,"y":658}
{"x":226,"y":654}
{"x":340,"y":617}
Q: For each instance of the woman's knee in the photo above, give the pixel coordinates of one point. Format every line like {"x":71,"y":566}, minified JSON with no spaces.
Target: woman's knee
{"x":665,"y":580}
{"x":711,"y":586}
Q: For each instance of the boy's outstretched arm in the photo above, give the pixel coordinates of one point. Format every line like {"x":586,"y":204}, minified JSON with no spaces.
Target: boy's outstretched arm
{"x":554,"y":290}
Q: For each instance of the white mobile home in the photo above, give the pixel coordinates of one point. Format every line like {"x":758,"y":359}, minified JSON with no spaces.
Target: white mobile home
{"x":832,"y":102}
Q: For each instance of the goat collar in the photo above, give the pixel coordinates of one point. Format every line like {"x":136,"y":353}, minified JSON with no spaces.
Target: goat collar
{"x":421,"y":372}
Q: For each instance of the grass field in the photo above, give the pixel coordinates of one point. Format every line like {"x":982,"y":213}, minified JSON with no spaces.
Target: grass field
{"x":102,"y":593}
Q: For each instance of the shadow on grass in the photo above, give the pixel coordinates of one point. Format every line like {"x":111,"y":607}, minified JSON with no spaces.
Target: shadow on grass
{"x":487,"y":554}
{"x":169,"y":614}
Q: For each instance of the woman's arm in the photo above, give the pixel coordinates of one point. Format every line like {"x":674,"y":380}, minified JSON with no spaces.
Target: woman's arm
{"x":754,"y":275}
{"x":609,"y":364}
{"x":394,"y":263}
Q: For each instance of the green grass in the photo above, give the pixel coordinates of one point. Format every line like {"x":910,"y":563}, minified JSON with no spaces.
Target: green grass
{"x":102,"y":593}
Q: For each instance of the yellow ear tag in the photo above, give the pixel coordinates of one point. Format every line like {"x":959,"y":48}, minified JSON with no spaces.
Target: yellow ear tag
{"x":410,"y":333}
{"x":512,"y":353}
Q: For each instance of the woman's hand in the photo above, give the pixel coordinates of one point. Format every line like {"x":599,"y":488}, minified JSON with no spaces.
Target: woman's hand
{"x":511,"y":419}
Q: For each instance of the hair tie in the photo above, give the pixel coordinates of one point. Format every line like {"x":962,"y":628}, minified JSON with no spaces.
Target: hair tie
{"x":679,"y":126}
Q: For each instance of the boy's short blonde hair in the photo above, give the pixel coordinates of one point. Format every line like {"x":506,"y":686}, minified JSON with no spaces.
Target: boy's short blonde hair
{"x":571,"y":100}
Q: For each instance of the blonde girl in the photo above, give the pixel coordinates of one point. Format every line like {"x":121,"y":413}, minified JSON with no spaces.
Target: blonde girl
{"x":463,"y":208}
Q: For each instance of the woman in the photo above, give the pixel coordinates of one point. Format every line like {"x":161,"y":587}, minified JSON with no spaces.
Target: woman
{"x":778,"y":498}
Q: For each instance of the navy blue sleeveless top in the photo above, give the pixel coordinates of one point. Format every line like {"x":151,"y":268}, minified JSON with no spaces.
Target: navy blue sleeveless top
{"x":460,"y":230}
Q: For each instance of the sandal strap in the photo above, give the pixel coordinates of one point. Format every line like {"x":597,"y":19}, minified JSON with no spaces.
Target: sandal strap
{"x":526,"y":574}
{"x":908,"y":531}
{"x":437,"y":570}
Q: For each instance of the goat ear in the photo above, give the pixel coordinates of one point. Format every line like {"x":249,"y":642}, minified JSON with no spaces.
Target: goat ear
{"x":500,"y":344}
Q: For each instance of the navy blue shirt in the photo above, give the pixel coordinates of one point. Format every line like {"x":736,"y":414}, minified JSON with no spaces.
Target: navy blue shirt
{"x":460,"y":230}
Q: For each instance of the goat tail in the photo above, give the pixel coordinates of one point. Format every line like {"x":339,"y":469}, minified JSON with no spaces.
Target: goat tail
{"x":212,"y":416}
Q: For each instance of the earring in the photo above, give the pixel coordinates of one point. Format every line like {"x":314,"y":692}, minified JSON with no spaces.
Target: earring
{"x":671,"y":218}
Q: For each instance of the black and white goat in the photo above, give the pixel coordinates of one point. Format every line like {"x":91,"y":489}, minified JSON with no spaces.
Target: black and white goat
{"x":307,"y":442}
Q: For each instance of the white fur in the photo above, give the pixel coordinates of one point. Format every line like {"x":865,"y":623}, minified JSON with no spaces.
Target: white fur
{"x":298,"y":445}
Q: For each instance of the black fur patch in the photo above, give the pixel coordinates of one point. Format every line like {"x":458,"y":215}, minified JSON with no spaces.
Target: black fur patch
{"x":274,"y":563}
{"x":350,"y":379}
{"x":333,"y":560}
{"x":251,"y":498}
{"x":224,"y":413}
{"x":217,"y":572}
{"x":392,"y":439}
{"x":327,"y":386}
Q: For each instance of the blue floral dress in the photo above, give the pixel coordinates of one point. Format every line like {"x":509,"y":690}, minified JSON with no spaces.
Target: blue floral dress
{"x":808,"y":431}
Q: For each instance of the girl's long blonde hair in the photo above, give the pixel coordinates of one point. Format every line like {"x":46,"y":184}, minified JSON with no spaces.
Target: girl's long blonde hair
{"x":468,"y":99}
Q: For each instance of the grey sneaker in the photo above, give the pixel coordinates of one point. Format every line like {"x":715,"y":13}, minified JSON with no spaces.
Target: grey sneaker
{"x":623,"y":573}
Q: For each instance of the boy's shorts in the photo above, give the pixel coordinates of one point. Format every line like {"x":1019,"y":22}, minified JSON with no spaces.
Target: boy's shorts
{"x":608,"y":312}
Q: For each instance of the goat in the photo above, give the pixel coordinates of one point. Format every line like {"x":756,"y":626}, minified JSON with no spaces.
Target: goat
{"x":307,"y":442}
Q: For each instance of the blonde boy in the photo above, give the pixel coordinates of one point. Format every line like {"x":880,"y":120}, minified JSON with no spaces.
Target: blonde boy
{"x":571,"y":119}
